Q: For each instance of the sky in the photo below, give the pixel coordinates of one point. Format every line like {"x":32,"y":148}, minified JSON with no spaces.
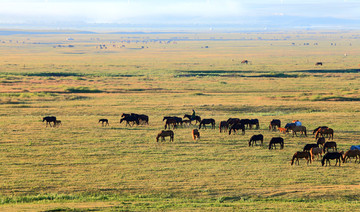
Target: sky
{"x":72,"y":13}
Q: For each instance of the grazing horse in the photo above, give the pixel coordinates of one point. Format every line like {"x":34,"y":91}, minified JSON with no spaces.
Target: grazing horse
{"x":237,"y":127}
{"x":57,"y":123}
{"x":276,"y":140}
{"x":296,"y":129}
{"x":316,"y":151}
{"x":129,"y":119}
{"x":328,"y":145}
{"x":178,"y":119}
{"x":104,"y":121}
{"x":320,"y":141}
{"x":207,"y":121}
{"x":49,"y":119}
{"x":144,"y":119}
{"x":223,"y":126}
{"x":232,"y":121}
{"x":170,"y":122}
{"x":254,"y":122}
{"x":319,"y":64}
{"x":316,"y":129}
{"x":298,"y":155}
{"x":165,"y":133}
{"x":307,"y":147}
{"x":197,"y":118}
{"x":245,"y":62}
{"x":255,"y":138}
{"x":275,"y":123}
{"x":325,"y":131}
{"x":332,"y":156}
{"x":195,"y":134}
{"x":245,"y":122}
{"x":351,"y":154}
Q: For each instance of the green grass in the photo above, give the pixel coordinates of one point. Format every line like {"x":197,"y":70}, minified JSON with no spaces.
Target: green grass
{"x":81,"y":166}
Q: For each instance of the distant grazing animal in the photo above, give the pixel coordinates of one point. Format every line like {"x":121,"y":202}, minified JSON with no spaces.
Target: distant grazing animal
{"x":254,"y":122}
{"x":223,"y":126}
{"x":179,"y":120}
{"x":296,"y":129}
{"x":288,"y":125}
{"x":245,"y":62}
{"x":316,"y":129}
{"x":255,"y":138}
{"x":130,"y":119}
{"x":319,"y":64}
{"x":237,"y":127}
{"x":57,"y":123}
{"x":186,"y":122}
{"x":298,"y":155}
{"x":282,"y":130}
{"x":325,"y":131}
{"x":170,"y":122}
{"x":245,"y":122}
{"x":316,"y":151}
{"x":328,"y":145}
{"x":275,"y":123}
{"x":351,"y":154}
{"x":276,"y":140}
{"x":332,"y":156}
{"x":320,"y":141}
{"x":195,"y":134}
{"x":204,"y":122}
{"x":165,"y":133}
{"x":197,"y":118}
{"x":104,"y":121}
{"x":49,"y":119}
{"x":307,"y":147}
{"x":232,"y":121}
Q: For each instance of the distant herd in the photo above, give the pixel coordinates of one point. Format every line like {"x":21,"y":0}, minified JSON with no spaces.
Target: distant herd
{"x":234,"y":124}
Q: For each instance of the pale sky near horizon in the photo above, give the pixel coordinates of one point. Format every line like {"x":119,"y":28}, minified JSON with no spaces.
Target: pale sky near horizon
{"x":171,"y":11}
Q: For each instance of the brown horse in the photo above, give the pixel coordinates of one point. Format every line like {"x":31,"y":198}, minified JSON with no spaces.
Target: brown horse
{"x":223,"y":126}
{"x":255,"y":138}
{"x":57,"y":123}
{"x":195,"y":134}
{"x":204,"y":122}
{"x":165,"y":133}
{"x":298,"y":155}
{"x":296,"y":129}
{"x":170,"y":122}
{"x":318,"y":63}
{"x":104,"y":121}
{"x":49,"y":119}
{"x":320,"y":141}
{"x":328,"y":145}
{"x":245,"y":62}
{"x":351,"y":154}
{"x":316,"y":151}
{"x":325,"y":131}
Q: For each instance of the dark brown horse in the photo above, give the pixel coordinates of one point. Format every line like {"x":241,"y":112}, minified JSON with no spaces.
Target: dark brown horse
{"x":316,"y":129}
{"x":298,"y":155}
{"x":204,"y":122}
{"x":332,"y":156}
{"x":130,"y":119}
{"x":195,"y":134}
{"x":255,"y":138}
{"x":165,"y":133}
{"x":275,"y":123}
{"x":351,"y":154}
{"x":328,"y":145}
{"x":237,"y":127}
{"x":49,"y":119}
{"x":319,"y":64}
{"x":196,"y":118}
{"x":104,"y":121}
{"x":223,"y":126}
{"x":254,"y":122}
{"x":171,"y":122}
{"x":245,"y":62}
{"x":307,"y":147}
{"x":320,"y":141}
{"x":276,"y":140}
{"x":325,"y":131}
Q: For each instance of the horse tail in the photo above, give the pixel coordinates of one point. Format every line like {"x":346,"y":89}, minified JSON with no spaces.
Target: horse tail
{"x":250,"y":141}
{"x":292,"y":161}
{"x":305,"y":131}
{"x":323,"y":161}
{"x":270,"y":145}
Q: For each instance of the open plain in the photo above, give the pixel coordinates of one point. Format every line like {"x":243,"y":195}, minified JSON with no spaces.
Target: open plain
{"x":81,"y":78}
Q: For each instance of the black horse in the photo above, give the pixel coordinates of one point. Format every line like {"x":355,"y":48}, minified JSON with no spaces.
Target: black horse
{"x":331,"y":156}
{"x":232,"y":121}
{"x":274,"y":123}
{"x":307,"y":147}
{"x":49,"y":119}
{"x":255,"y":138}
{"x":104,"y":121}
{"x":130,"y":119}
{"x":178,"y":119}
{"x":276,"y":140}
{"x":328,"y":145}
{"x":254,"y":122}
{"x":237,"y":127}
{"x":196,"y":118}
{"x":204,"y":122}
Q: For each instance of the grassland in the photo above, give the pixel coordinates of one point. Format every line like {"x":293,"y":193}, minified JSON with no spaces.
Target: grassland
{"x":83,"y":166}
